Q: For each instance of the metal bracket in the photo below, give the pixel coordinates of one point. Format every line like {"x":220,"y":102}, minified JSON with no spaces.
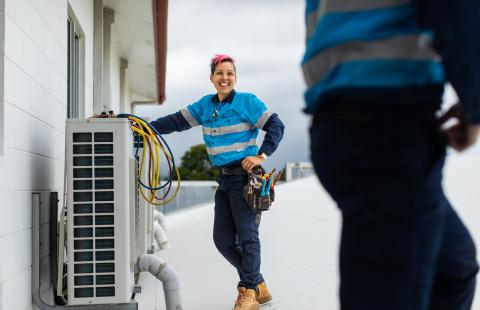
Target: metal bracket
{"x":37,"y":300}
{"x":137,"y":289}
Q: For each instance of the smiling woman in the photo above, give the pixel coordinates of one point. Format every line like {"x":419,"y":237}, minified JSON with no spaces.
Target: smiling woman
{"x":231,"y":121}
{"x":223,"y":75}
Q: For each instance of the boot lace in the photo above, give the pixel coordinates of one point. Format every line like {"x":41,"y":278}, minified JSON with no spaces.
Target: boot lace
{"x":240,"y":298}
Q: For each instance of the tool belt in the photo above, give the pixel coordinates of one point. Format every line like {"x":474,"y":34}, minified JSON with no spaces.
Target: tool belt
{"x":259,"y":192}
{"x":233,"y":170}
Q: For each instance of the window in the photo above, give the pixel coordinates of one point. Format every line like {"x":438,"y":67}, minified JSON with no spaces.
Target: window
{"x":75,"y":67}
{"x":73,"y":84}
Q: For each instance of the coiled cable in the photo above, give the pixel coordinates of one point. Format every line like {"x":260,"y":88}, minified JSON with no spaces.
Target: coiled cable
{"x":156,"y":145}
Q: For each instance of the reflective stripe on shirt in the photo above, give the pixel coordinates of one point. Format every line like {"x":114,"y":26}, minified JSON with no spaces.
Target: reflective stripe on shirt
{"x":239,"y":146}
{"x":263,"y":119}
{"x":403,"y":47}
{"x":217,"y":131}
{"x":189,"y":118}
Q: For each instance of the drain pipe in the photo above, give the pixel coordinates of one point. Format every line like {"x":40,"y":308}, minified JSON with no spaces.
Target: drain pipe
{"x":160,"y":236}
{"x":169,"y":278}
{"x":160,"y":218}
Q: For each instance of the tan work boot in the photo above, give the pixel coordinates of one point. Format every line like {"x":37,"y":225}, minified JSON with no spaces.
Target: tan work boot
{"x":262,"y":294}
{"x":246,"y":300}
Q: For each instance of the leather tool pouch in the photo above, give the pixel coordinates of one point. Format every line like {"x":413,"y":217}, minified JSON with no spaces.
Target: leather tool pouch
{"x":252,"y":192}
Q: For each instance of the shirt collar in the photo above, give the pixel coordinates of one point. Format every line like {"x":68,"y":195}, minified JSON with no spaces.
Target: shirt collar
{"x":229,"y":98}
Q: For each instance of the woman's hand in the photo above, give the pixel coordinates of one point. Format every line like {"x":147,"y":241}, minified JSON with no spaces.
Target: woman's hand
{"x":460,"y":135}
{"x":252,"y":161}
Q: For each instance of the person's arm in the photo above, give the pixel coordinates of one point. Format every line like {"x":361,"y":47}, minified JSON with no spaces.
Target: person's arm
{"x":274,"y":128}
{"x":455,"y":25}
{"x":180,"y":121}
{"x":170,"y":123}
{"x":461,"y":135}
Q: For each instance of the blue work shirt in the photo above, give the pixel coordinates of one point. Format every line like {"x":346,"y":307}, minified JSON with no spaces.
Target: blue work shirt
{"x":380,"y":52}
{"x":230,"y":127}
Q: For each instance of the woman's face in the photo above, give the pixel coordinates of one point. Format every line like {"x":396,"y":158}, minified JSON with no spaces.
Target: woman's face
{"x":224,"y":78}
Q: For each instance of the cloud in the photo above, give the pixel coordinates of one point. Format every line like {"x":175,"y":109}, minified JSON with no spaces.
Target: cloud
{"x":267,"y":40}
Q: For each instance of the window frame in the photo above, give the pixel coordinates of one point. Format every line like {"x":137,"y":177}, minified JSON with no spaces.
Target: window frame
{"x":75,"y":67}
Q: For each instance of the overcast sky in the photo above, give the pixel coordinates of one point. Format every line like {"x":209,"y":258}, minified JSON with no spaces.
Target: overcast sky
{"x":267,"y":40}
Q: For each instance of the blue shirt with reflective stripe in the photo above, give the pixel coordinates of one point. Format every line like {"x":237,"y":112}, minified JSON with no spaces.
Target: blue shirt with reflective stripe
{"x":454,"y":26}
{"x":230,"y":127}
{"x":341,"y":36}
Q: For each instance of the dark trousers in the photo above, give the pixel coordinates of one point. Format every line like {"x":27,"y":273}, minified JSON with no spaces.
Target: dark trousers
{"x":403,"y":247}
{"x":235,"y":229}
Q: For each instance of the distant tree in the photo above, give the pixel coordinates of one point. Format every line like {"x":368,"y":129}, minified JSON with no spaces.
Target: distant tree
{"x":195,"y":165}
{"x":283,"y":177}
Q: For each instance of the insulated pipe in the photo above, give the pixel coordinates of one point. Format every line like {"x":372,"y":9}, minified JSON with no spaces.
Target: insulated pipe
{"x":169,"y":278}
{"x":160,"y":236}
{"x":158,"y":216}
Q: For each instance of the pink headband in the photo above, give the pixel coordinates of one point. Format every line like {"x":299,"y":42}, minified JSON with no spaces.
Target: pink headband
{"x":218,"y":58}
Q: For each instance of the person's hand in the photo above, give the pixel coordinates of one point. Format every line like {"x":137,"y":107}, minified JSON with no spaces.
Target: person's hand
{"x":461,"y":135}
{"x":251,"y":161}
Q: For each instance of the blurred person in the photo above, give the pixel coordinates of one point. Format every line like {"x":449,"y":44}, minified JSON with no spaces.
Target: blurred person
{"x":231,"y":121}
{"x":375,"y":73}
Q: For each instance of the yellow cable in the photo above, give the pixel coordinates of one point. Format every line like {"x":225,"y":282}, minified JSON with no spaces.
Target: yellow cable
{"x":154,"y":174}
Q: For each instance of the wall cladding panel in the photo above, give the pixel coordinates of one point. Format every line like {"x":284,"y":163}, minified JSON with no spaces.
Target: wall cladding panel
{"x":16,"y":253}
{"x":34,"y":99}
{"x":16,"y":212}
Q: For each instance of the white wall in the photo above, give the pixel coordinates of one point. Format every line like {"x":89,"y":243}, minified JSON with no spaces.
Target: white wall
{"x":2,"y":106}
{"x":33,"y":75}
{"x":35,"y":103}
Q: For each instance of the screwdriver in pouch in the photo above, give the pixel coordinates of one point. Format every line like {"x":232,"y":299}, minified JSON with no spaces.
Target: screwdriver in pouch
{"x":267,"y":190}
{"x":264,"y":183}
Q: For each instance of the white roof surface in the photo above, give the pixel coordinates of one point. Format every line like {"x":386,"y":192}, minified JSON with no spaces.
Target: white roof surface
{"x":299,"y":237}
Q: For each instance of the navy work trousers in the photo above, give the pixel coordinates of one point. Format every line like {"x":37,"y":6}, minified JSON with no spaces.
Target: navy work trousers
{"x":235,"y":229}
{"x":403,"y":247}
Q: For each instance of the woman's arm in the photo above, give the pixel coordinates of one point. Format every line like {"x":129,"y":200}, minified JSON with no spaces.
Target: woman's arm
{"x":456,"y":26}
{"x":274,"y":128}
{"x":170,"y":123}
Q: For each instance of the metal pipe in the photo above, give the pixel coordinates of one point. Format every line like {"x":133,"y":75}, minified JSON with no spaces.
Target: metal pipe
{"x":169,"y":278}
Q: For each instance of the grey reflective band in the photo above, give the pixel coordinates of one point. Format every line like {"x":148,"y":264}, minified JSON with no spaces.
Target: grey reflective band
{"x":189,"y":117}
{"x":336,"y":6}
{"x":312,"y":18}
{"x":232,"y":147}
{"x":263,"y":119}
{"x":217,"y":131}
{"x":406,"y":47}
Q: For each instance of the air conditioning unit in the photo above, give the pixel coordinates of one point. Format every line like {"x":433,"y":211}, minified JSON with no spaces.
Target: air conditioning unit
{"x":144,"y":211}
{"x":102,"y":199}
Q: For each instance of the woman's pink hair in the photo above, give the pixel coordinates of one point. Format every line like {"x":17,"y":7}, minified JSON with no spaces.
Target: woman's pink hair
{"x":218,"y":58}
